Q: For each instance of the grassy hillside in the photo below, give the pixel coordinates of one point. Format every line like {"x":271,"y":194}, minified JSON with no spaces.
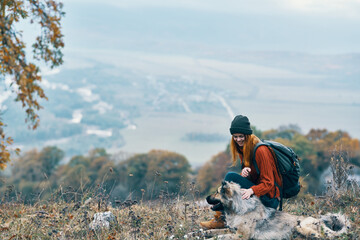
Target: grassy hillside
{"x":156,"y":197}
{"x":168,"y":217}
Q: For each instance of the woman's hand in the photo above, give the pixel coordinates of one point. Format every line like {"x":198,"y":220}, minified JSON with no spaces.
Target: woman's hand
{"x":247,"y":193}
{"x":245,"y":172}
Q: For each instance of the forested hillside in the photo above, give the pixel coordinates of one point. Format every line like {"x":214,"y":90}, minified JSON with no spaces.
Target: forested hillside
{"x":316,"y":149}
{"x":40,"y":175}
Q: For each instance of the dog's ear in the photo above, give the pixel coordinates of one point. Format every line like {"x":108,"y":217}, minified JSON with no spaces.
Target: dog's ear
{"x":224,"y":187}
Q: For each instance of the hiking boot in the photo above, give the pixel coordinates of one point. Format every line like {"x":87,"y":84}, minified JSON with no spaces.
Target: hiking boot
{"x":217,"y":222}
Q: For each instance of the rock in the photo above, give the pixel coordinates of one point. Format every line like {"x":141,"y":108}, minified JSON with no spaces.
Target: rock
{"x":103,"y":220}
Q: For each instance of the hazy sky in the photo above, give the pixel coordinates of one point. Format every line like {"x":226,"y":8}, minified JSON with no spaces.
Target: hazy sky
{"x":321,"y":26}
{"x":201,"y":39}
{"x":347,"y":8}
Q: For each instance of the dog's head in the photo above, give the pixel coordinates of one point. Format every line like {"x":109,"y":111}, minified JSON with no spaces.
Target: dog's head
{"x":224,"y":196}
{"x":229,"y":190}
{"x":228,"y":197}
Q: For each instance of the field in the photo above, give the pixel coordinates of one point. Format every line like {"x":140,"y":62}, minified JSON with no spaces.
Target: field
{"x":168,"y":217}
{"x":69,"y":213}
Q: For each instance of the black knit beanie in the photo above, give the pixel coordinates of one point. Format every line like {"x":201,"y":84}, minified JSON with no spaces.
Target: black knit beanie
{"x":240,"y":124}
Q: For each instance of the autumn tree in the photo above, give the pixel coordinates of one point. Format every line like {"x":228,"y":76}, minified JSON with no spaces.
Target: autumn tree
{"x":169,"y":168}
{"x":136,"y":168}
{"x":50,"y":158}
{"x":15,"y":65}
{"x":95,"y":174}
{"x":32,"y":170}
{"x":155,"y":171}
{"x":213,"y":172}
{"x":84,"y":171}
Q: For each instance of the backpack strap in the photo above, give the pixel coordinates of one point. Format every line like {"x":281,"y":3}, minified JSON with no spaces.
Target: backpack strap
{"x":261,"y":143}
{"x":254,"y":160}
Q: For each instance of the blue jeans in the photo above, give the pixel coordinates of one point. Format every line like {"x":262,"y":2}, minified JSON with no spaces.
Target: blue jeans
{"x":246,"y":183}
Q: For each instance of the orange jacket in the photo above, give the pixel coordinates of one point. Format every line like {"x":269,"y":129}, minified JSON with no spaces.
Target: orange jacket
{"x":265,"y":181}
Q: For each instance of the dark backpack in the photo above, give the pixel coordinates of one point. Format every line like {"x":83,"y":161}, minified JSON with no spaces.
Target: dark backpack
{"x":288,"y":166}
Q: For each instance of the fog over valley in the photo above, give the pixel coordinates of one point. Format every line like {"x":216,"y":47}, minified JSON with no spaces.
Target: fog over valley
{"x":141,"y":75}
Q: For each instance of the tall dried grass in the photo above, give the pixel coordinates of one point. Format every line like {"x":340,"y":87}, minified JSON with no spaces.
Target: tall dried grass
{"x":68,"y":212}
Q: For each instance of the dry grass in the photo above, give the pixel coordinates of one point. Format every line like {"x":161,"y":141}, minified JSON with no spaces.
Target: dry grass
{"x":160,"y":219}
{"x":168,"y":217}
{"x":157,"y":220}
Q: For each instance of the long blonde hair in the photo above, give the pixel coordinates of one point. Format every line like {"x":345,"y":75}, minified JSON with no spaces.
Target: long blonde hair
{"x":247,"y":152}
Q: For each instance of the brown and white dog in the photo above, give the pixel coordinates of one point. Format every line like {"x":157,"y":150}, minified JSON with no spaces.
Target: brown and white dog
{"x":252,"y":220}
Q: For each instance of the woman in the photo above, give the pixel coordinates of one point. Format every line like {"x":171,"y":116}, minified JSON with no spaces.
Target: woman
{"x":265,"y":185}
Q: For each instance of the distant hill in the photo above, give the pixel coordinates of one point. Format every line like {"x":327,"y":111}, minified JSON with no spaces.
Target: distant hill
{"x":135,"y":102}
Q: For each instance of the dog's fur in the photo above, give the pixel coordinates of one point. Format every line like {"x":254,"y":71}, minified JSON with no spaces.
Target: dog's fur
{"x":252,"y":220}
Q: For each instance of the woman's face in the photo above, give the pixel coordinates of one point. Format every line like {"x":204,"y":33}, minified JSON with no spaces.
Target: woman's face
{"x":239,"y":139}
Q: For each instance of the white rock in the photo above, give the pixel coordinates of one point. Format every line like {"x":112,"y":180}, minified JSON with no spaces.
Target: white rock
{"x":103,"y":220}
